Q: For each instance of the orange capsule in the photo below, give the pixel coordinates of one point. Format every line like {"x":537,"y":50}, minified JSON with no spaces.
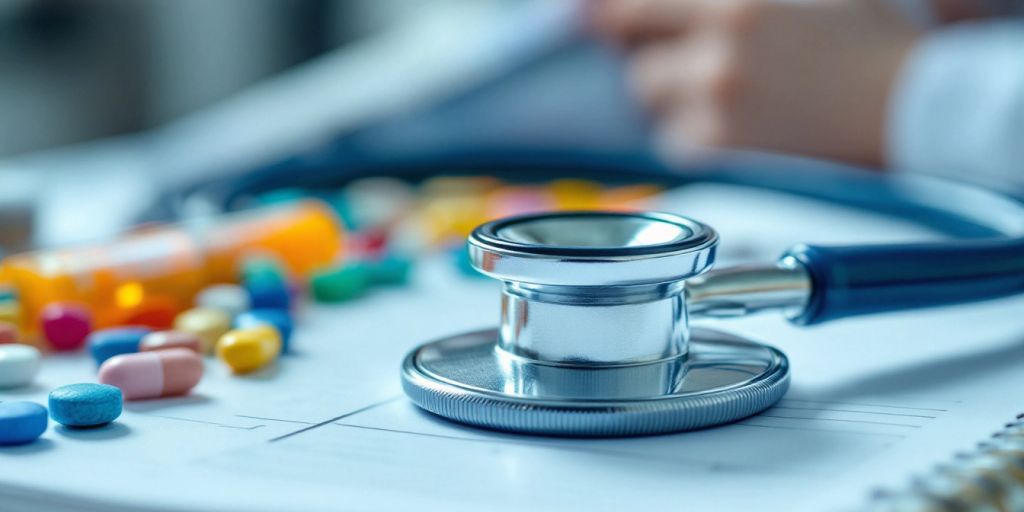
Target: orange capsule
{"x":159,"y":373}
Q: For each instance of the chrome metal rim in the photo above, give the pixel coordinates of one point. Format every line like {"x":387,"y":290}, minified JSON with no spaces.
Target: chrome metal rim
{"x":723,"y":378}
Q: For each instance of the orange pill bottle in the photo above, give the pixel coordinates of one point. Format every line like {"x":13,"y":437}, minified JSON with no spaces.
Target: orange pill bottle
{"x":150,"y":275}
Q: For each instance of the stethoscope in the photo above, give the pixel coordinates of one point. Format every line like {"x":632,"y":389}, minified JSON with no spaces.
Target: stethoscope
{"x":594,"y":337}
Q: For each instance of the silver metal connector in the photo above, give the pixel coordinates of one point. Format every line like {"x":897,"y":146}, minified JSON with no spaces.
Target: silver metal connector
{"x":744,"y":290}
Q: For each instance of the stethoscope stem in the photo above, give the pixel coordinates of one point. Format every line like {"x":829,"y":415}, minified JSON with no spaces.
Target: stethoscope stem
{"x":744,"y":290}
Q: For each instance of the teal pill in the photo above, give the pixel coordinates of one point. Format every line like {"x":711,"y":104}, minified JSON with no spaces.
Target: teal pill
{"x":85,"y":405}
{"x":340,"y":284}
{"x":390,"y":270}
{"x":460,"y":257}
{"x":21,"y":422}
{"x":262,"y":270}
{"x":282,"y":196}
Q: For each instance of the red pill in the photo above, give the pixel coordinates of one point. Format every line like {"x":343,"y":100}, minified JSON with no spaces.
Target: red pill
{"x":65,"y":326}
{"x":8,"y":332}
{"x":163,"y":340}
{"x":159,"y":373}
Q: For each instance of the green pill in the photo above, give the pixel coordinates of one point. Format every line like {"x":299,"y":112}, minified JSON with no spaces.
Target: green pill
{"x":390,"y":270}
{"x":340,"y":284}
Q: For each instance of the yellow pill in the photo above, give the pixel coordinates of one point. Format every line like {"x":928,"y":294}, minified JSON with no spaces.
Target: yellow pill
{"x":245,"y":350}
{"x":10,"y":312}
{"x":208,"y":324}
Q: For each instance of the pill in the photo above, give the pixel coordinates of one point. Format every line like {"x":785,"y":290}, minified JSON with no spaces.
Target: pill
{"x":572,"y":194}
{"x":155,"y":374}
{"x":463,"y":263}
{"x":282,"y":196}
{"x":163,"y":340}
{"x":263,"y":268}
{"x":85,"y":404}
{"x":245,"y":350}
{"x":154,"y":312}
{"x":230,"y":298}
{"x":276,"y":318}
{"x":268,"y":294}
{"x":340,"y":284}
{"x":8,"y":332}
{"x":19,"y":364}
{"x":21,"y":422}
{"x":10,"y":311}
{"x":65,"y":326}
{"x":207,"y":323}
{"x":390,"y":270}
{"x":106,"y":343}
{"x":377,"y":202}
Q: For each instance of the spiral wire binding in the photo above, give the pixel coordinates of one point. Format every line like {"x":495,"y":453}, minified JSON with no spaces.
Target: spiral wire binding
{"x":988,"y":479}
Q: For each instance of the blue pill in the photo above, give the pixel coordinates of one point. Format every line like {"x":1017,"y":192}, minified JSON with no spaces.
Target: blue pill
{"x":268,"y":294}
{"x":21,"y":422}
{"x":277,"y":318}
{"x":107,"y":343}
{"x":85,"y":405}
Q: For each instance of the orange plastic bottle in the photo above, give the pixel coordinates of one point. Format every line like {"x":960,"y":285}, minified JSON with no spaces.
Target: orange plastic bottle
{"x":149,"y":275}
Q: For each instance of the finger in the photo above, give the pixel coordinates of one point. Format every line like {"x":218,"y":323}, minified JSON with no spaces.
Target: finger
{"x":639,"y":20}
{"x":657,"y":75}
{"x":689,"y":135}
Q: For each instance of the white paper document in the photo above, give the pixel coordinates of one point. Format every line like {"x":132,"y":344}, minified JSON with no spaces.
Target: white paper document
{"x":873,"y":401}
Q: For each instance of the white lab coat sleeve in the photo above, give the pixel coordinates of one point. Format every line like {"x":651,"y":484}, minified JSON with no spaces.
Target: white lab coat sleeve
{"x":958,"y":107}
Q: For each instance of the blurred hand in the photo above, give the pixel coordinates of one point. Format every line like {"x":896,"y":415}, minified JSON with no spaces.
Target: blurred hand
{"x":810,"y":77}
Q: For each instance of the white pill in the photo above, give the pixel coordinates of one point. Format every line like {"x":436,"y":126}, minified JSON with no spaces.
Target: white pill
{"x":19,"y":364}
{"x":230,"y":298}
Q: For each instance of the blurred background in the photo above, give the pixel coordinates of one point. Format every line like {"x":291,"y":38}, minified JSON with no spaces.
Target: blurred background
{"x":74,"y":70}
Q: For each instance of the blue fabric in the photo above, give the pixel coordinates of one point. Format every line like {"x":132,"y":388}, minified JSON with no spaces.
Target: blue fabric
{"x":21,"y":422}
{"x":107,"y":343}
{"x":276,"y":318}
{"x":85,"y":405}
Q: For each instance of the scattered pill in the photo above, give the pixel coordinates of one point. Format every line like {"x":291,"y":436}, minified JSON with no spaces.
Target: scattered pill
{"x":377,"y":202}
{"x":245,"y":350}
{"x":21,"y":422}
{"x":460,"y":257}
{"x":106,"y":343}
{"x":267,"y":294}
{"x":154,"y":312}
{"x":160,"y":373}
{"x":276,"y":318}
{"x":230,"y":298}
{"x":8,"y":332}
{"x":207,"y":323}
{"x":65,"y":326}
{"x":10,"y":311}
{"x":85,"y":404}
{"x":263,"y":269}
{"x":340,"y":284}
{"x":19,"y":364}
{"x":163,"y":340}
{"x":390,"y":270}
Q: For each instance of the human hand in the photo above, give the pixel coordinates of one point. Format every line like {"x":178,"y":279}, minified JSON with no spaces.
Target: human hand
{"x":807,"y":77}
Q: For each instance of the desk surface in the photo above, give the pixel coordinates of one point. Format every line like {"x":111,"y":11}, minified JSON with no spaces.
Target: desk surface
{"x":872,"y":401}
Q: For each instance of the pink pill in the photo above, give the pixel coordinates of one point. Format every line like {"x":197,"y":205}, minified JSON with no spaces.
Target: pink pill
{"x":155,"y":374}
{"x":8,"y":333}
{"x":163,"y":340}
{"x":65,"y":326}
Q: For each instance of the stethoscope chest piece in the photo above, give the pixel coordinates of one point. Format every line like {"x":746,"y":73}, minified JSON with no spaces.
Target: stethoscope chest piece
{"x":594,"y":337}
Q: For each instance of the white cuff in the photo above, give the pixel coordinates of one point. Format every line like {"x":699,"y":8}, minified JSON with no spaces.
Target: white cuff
{"x":958,"y":108}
